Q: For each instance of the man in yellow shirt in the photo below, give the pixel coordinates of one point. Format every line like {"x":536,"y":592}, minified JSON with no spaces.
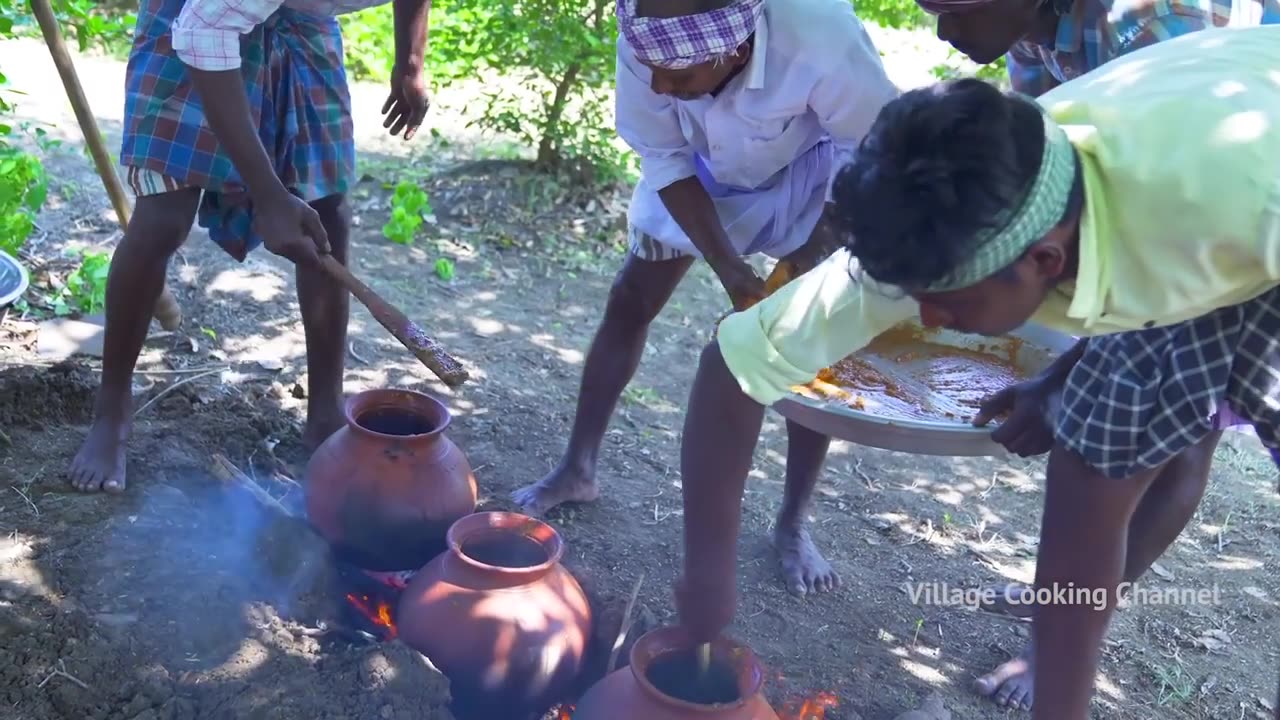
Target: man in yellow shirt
{"x":1139,"y":204}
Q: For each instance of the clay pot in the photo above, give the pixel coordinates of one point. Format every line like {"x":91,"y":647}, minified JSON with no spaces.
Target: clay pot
{"x":384,"y":489}
{"x":499,"y":615}
{"x":663,"y":682}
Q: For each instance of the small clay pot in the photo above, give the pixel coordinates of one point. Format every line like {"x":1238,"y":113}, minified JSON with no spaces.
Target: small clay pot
{"x":385,"y":489}
{"x":499,"y":616}
{"x":664,"y":682}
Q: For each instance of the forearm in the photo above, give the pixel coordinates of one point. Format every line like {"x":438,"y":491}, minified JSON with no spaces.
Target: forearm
{"x":412,"y":24}
{"x":226,"y":109}
{"x":720,"y":434}
{"x":693,"y":210}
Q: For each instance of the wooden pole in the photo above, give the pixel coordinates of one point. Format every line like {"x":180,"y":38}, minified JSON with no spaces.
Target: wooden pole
{"x":166,"y":310}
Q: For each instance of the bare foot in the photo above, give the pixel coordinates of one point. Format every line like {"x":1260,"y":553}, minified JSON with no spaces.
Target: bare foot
{"x":1013,"y":683}
{"x":1014,"y":599}
{"x":321,"y":424}
{"x":566,"y":483}
{"x":804,"y":569}
{"x":99,"y":465}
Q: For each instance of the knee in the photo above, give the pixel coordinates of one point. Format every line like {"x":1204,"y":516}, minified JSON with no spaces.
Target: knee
{"x":631,"y":303}
{"x":335,"y":215}
{"x":162,"y":222}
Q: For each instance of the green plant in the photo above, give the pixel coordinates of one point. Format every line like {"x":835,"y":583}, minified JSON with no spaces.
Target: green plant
{"x":409,"y":208}
{"x":561,"y":53}
{"x":86,"y":288}
{"x":24,"y":185}
{"x":444,"y":269}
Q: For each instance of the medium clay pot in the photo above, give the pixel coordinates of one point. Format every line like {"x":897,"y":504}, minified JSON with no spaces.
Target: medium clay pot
{"x":384,"y":489}
{"x":664,"y":682}
{"x":499,"y":615}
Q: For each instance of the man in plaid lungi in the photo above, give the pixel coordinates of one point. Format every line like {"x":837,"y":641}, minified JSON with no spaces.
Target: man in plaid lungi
{"x":739,"y":111}
{"x":1139,"y":207}
{"x":238,"y":110}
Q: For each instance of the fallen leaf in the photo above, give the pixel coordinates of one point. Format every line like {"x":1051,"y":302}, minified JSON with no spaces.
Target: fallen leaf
{"x":1161,"y":572}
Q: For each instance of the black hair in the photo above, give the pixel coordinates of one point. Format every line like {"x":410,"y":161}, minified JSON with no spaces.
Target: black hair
{"x":677,"y":8}
{"x":937,"y":167}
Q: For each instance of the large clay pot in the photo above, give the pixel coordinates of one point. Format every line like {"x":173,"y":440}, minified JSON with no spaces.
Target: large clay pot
{"x":499,"y":615}
{"x":384,"y":489}
{"x":664,"y":682}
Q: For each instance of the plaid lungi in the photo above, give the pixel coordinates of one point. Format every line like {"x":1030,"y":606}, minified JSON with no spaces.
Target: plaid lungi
{"x":297,"y":87}
{"x":1137,"y":399}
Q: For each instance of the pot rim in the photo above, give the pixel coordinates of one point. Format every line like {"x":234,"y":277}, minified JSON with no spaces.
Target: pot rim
{"x":524,"y":525}
{"x":436,"y":412}
{"x":673,"y":638}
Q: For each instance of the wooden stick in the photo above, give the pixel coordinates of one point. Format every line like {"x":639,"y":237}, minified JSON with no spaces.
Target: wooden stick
{"x":166,"y":310}
{"x":426,"y":349}
{"x":229,"y":473}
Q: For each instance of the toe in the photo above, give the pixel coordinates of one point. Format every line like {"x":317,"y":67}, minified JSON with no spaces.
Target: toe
{"x":985,"y":685}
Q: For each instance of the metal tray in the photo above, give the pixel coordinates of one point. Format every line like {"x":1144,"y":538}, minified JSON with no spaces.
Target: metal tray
{"x":13,"y":279}
{"x":923,"y":437}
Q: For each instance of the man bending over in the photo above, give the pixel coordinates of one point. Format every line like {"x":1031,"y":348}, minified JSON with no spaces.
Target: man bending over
{"x":1139,"y":205}
{"x":739,"y":110}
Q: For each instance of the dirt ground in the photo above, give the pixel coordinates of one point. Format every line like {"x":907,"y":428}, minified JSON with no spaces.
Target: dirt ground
{"x":165,"y":602}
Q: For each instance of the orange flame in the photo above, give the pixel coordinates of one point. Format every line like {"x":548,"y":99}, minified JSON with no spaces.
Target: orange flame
{"x":813,"y":708}
{"x":378,"y":613}
{"x":566,"y":713}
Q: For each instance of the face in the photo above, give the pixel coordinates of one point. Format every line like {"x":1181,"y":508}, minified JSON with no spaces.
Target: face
{"x":694,"y":82}
{"x":1001,"y":303}
{"x":987,"y":33}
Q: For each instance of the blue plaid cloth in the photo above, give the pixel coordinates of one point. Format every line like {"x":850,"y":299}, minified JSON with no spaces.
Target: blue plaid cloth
{"x":1096,"y":32}
{"x":297,"y":88}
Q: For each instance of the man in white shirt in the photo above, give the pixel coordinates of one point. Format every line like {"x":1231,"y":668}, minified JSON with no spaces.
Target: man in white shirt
{"x":238,"y":110}
{"x":741,"y":112}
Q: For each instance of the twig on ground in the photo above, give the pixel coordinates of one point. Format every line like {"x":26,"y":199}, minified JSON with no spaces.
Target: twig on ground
{"x":866,"y":479}
{"x":351,"y":348}
{"x":177,"y":385}
{"x":24,"y":496}
{"x":61,"y":671}
{"x":229,"y":473}
{"x":625,"y":628}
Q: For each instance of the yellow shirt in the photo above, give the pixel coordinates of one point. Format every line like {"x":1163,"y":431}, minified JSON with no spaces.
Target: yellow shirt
{"x":1180,"y":147}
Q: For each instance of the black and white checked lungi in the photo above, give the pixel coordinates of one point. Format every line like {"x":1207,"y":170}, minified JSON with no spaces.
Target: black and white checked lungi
{"x":1137,"y":399}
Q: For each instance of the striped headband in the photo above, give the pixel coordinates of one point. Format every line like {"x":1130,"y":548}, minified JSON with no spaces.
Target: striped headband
{"x":1024,"y":224}
{"x":680,"y":42}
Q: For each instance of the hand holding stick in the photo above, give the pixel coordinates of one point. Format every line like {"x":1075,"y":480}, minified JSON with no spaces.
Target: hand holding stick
{"x":405,"y":330}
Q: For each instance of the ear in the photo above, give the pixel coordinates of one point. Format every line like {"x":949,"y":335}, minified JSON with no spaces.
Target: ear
{"x":1048,"y":259}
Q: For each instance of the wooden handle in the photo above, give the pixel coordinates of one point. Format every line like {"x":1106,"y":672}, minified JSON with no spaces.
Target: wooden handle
{"x":426,"y":349}
{"x":167,"y":310}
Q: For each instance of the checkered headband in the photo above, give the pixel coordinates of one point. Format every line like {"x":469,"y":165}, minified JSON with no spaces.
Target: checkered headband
{"x":680,"y":42}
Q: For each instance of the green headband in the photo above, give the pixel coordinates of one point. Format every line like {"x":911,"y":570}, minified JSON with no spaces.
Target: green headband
{"x":1018,"y":227}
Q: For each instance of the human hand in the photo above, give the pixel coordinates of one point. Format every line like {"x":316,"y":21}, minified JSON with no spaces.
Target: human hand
{"x":744,"y":287}
{"x":406,"y":107}
{"x":291,"y":228}
{"x":1025,"y":432}
{"x":705,"y":607}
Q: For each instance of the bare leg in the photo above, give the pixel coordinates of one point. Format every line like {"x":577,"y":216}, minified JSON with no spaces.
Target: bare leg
{"x":803,"y":567}
{"x":639,"y":293}
{"x":325,"y":309}
{"x":1162,"y":513}
{"x":158,"y":228}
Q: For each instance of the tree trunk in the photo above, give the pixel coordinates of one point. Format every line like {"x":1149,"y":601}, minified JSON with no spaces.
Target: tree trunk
{"x":549,"y":145}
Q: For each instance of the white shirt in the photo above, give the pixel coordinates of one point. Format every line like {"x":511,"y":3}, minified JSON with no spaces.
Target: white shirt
{"x":813,"y":73}
{"x":206,"y":34}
